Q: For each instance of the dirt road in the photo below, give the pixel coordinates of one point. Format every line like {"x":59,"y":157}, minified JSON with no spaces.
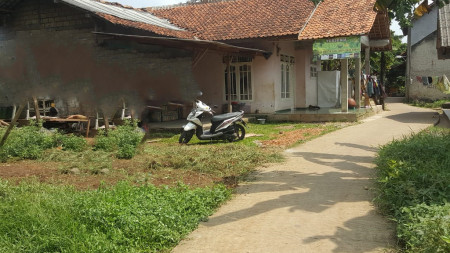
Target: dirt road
{"x":319,"y":200}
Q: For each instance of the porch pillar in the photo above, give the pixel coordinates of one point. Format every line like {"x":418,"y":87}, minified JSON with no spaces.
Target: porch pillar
{"x":228,"y":59}
{"x":367,"y":61}
{"x":344,"y":85}
{"x":319,"y":68}
{"x":358,"y":83}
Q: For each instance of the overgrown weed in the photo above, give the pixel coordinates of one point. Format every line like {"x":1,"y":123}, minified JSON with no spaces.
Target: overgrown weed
{"x":413,"y":186}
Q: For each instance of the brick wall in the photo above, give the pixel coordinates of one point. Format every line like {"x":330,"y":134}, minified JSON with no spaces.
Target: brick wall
{"x":45,"y":14}
{"x":49,"y":50}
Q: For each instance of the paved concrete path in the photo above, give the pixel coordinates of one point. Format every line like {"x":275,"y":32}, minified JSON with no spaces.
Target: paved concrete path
{"x":318,"y":200}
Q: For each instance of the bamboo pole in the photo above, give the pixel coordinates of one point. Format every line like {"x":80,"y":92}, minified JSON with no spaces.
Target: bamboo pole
{"x":36,"y":109}
{"x":105,"y":118}
{"x":13,"y":123}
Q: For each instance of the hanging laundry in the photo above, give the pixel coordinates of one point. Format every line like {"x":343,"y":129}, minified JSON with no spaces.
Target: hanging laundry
{"x":370,"y":91}
{"x":430,"y":80}
{"x":446,"y":82}
{"x":435,"y":81}
{"x":425,"y":80}
{"x":440,"y":84}
{"x":419,"y":79}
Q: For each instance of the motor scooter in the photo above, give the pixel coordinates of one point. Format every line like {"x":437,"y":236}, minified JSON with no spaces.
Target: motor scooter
{"x":228,"y":126}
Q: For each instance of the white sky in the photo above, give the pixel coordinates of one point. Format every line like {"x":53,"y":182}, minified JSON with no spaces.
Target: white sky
{"x":148,"y":3}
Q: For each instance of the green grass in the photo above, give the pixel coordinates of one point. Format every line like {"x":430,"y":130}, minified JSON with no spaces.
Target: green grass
{"x":268,"y":131}
{"x":413,"y":184}
{"x":88,"y":161}
{"x":434,"y":104}
{"x":224,"y":159}
{"x":43,"y":218}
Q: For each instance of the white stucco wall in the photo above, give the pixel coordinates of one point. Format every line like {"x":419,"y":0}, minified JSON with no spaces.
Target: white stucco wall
{"x":424,"y":62}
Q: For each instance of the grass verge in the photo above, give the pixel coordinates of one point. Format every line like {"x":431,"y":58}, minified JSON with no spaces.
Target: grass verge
{"x":413,"y":186}
{"x":427,"y":104}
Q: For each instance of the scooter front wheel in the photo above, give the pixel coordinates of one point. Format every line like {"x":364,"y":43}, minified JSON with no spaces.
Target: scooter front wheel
{"x":185,"y":136}
{"x":239,"y":132}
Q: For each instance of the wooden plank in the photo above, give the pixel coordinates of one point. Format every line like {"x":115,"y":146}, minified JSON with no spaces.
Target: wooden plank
{"x":64,"y":120}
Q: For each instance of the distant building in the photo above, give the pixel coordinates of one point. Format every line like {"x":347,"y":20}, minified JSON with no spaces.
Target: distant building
{"x":428,"y":50}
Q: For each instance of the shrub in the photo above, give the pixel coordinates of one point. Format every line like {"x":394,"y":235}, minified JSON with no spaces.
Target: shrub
{"x":27,"y":142}
{"x":124,"y":140}
{"x":71,"y":142}
{"x":425,"y":228}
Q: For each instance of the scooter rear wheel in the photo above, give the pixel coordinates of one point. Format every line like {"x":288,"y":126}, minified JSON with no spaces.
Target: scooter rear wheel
{"x":185,"y":137}
{"x":239,"y":131}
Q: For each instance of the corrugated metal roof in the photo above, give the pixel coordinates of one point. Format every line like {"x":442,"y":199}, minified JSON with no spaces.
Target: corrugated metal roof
{"x":444,"y":25}
{"x":124,"y":13}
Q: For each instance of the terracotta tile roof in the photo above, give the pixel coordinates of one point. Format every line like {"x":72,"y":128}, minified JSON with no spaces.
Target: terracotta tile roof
{"x":147,"y":27}
{"x":335,"y":18}
{"x":240,"y":19}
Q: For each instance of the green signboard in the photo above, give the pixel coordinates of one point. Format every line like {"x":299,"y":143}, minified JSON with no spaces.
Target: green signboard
{"x":337,"y":48}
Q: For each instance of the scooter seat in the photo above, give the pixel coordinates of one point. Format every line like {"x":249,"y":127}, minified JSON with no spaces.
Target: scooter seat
{"x":225,"y":116}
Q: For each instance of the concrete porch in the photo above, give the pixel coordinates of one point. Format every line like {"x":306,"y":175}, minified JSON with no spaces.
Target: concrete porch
{"x":299,"y":115}
{"x":324,"y":114}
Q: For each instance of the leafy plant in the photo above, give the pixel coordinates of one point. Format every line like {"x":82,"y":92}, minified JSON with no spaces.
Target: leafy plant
{"x":425,"y":228}
{"x":123,"y":140}
{"x":71,"y":142}
{"x":27,"y":142}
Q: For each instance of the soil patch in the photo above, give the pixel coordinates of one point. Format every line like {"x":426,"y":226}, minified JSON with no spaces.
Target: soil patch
{"x":48,"y":172}
{"x":286,"y":139}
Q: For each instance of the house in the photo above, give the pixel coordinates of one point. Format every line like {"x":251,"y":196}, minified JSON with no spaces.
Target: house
{"x":427,"y":50}
{"x":288,"y":79}
{"x":90,"y":55}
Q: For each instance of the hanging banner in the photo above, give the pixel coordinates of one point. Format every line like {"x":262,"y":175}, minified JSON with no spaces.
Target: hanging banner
{"x":337,"y":48}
